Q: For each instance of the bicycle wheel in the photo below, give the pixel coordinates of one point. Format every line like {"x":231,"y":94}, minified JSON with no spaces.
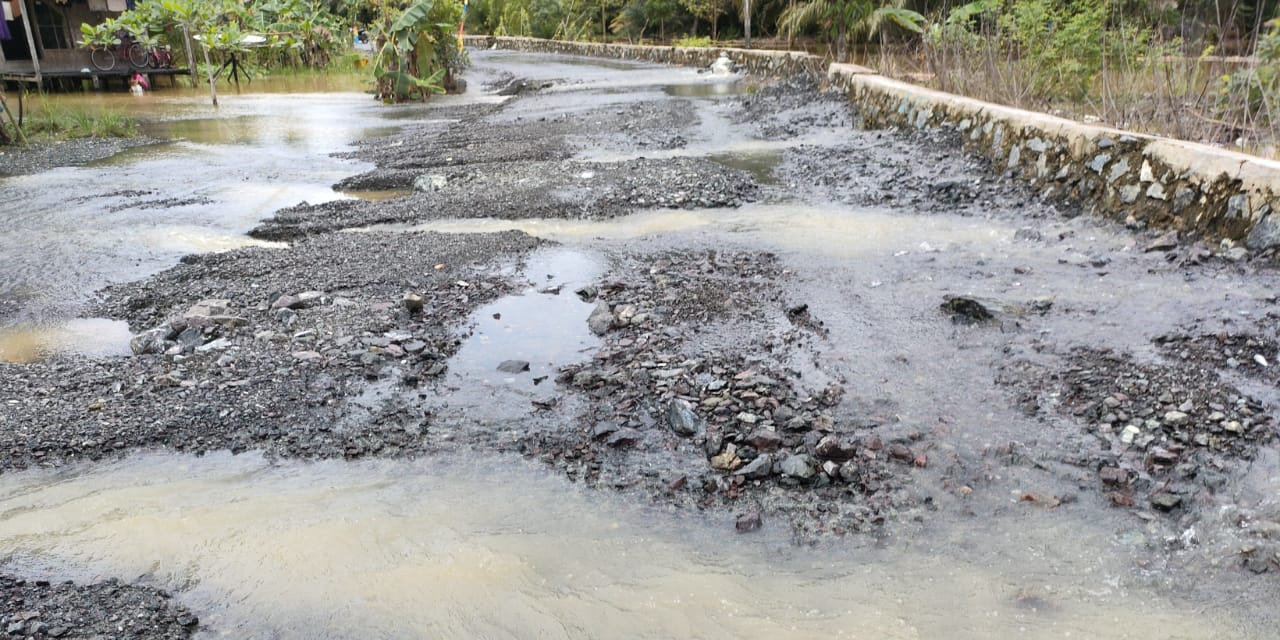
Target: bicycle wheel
{"x":138,"y":56}
{"x":103,"y":59}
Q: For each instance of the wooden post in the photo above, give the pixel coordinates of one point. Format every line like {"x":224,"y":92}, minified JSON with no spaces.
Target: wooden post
{"x":191,"y":58}
{"x":27,"y":10}
{"x":213,"y":90}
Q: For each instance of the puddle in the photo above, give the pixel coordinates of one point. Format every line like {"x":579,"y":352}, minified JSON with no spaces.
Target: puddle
{"x":377,"y":195}
{"x":759,"y":163}
{"x":545,"y":326}
{"x":711,"y":89}
{"x":493,"y":548}
{"x":93,"y":337}
{"x":829,"y":230}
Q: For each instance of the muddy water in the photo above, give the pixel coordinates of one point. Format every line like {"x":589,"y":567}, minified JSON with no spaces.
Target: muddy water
{"x":455,"y":548}
{"x":73,"y":230}
{"x":93,"y":337}
{"x":830,"y":230}
{"x":543,"y":326}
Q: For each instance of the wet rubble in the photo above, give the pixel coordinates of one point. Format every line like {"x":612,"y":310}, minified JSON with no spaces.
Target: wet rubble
{"x":41,"y":609}
{"x":1250,"y":355}
{"x":922,"y":171}
{"x":732,"y":426}
{"x":42,"y":156}
{"x":1167,"y":437}
{"x":786,"y":109}
{"x":568,"y":189}
{"x":275,"y":362}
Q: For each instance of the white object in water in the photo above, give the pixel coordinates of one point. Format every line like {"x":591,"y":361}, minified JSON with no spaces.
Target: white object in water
{"x":723,"y":66}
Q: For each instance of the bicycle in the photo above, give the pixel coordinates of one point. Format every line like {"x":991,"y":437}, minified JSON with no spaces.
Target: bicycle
{"x":157,"y":57}
{"x":105,"y":58}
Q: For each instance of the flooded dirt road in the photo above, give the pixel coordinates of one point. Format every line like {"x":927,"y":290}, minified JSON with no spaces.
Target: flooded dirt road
{"x":211,"y":176}
{"x":620,"y":350}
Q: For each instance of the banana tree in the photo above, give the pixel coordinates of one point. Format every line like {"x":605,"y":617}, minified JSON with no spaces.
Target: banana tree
{"x":417,"y":53}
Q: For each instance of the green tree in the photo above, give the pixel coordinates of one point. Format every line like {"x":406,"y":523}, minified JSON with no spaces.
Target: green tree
{"x":844,"y":20}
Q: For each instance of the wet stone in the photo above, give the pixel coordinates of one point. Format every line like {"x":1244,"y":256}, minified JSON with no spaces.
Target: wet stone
{"x":513,"y":366}
{"x":966,"y":310}
{"x":682,"y":419}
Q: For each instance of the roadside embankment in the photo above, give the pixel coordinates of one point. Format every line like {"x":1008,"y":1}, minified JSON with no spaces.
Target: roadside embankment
{"x":1145,"y":181}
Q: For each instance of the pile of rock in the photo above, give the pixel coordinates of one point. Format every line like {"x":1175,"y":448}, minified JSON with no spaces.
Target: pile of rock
{"x":1168,"y":433}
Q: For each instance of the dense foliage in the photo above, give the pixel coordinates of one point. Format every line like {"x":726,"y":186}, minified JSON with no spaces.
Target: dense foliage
{"x":418,"y":50}
{"x":296,"y":32}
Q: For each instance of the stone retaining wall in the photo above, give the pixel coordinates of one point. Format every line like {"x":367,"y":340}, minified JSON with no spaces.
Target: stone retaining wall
{"x":1162,"y":183}
{"x":755,"y":61}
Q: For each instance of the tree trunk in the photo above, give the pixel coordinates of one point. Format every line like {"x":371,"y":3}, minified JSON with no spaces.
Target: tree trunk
{"x":604,"y":27}
{"x":213,"y":88}
{"x":746,"y":21}
{"x":715,"y":22}
{"x":842,"y":42}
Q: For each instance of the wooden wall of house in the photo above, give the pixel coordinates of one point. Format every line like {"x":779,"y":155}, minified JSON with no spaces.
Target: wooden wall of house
{"x":75,"y":13}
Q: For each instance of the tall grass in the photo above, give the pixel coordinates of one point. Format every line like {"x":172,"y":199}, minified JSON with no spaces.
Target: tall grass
{"x":63,"y":121}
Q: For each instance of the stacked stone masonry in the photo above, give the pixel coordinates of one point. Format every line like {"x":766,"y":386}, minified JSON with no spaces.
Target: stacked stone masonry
{"x":1195,"y":189}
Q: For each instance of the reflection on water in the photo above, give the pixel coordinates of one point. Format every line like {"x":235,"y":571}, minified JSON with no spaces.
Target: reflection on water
{"x":377,"y":195}
{"x":94,"y":337}
{"x":831,"y":230}
{"x":760,"y":163}
{"x":70,"y":231}
{"x":490,"y":548}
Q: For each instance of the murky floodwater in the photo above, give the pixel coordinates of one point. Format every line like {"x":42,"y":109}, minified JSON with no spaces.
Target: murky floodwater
{"x":490,"y":548}
{"x":73,"y":230}
{"x":831,"y":230}
{"x":93,"y":337}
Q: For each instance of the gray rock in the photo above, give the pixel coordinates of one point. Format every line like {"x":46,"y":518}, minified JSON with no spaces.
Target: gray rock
{"x":757,"y":469}
{"x":429,"y":183}
{"x":150,"y":341}
{"x":208,"y":308}
{"x":1165,"y":501}
{"x":601,"y":319}
{"x":749,"y":521}
{"x":190,"y":338}
{"x":682,"y":419}
{"x":1238,"y":206}
{"x":1163,"y":243}
{"x":1099,"y":162}
{"x":1118,"y":170}
{"x":1264,"y":235}
{"x":413,"y":302}
{"x":800,"y":466}
{"x":966,"y":310}
{"x":1129,"y":193}
{"x":513,"y":366}
{"x":624,"y":437}
{"x":286,"y":317}
{"x":831,"y":448}
{"x":287,"y":302}
{"x":765,"y":440}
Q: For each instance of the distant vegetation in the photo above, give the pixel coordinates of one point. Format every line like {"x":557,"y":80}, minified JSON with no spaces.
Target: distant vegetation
{"x":1206,"y":70}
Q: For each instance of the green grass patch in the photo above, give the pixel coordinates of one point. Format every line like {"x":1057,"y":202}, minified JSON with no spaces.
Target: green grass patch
{"x":61,"y":121}
{"x":701,"y":42}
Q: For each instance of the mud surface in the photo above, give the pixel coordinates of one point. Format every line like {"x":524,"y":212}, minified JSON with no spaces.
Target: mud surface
{"x":42,"y":156}
{"x":867,"y":334}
